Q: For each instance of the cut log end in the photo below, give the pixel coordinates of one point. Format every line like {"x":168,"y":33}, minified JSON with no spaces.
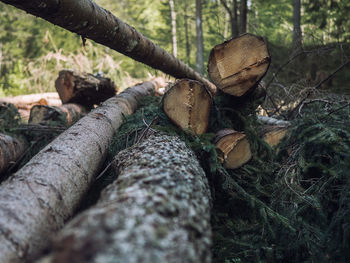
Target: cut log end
{"x":237,"y":65}
{"x":234,"y":148}
{"x":187,"y":103}
{"x":84,"y":89}
{"x":273,"y":135}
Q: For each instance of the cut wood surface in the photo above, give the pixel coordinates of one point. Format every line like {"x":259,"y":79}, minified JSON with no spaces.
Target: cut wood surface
{"x":66,"y":114}
{"x":237,"y":65}
{"x":83,"y":88}
{"x":36,"y":201}
{"x":11,"y":149}
{"x":27,"y":101}
{"x":187,"y":103}
{"x":91,"y":21}
{"x":233,"y":148}
{"x":158,"y":210}
{"x":273,"y":134}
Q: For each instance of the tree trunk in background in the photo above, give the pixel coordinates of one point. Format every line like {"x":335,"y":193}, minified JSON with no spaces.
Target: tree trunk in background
{"x":297,"y":35}
{"x":36,"y":201}
{"x":173,"y":27}
{"x":243,"y":17}
{"x":188,"y":49}
{"x":158,"y":210}
{"x":234,"y":20}
{"x":232,"y":12}
{"x":89,"y":20}
{"x":199,"y":32}
{"x":11,"y":149}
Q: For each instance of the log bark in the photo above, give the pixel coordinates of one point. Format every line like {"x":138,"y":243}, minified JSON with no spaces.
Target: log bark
{"x":67,"y":114}
{"x":158,"y":210}
{"x":237,"y":65}
{"x":89,"y":20}
{"x":36,"y":201}
{"x":233,"y":148}
{"x":27,"y":101}
{"x":187,"y":103}
{"x":11,"y":149}
{"x":83,"y":88}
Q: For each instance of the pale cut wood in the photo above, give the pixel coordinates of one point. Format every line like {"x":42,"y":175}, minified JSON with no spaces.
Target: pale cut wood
{"x":11,"y":149}
{"x":66,"y":114}
{"x":27,"y":101}
{"x":237,"y":65}
{"x":158,"y":210}
{"x":273,"y":135}
{"x":187,"y":103}
{"x":233,"y":148}
{"x":83,"y":88}
{"x":36,"y":201}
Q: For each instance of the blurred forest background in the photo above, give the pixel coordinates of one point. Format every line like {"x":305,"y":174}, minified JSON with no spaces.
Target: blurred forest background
{"x":32,"y":51}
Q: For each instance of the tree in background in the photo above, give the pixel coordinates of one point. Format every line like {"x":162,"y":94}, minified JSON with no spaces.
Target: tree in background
{"x":297,"y":34}
{"x":243,"y":17}
{"x":173,"y":26}
{"x":233,"y":16}
{"x":199,"y":31}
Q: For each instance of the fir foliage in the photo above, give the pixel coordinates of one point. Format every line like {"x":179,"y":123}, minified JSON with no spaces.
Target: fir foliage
{"x":287,"y":207}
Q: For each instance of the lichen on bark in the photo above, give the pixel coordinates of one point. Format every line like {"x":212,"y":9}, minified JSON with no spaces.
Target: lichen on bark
{"x":158,"y":210}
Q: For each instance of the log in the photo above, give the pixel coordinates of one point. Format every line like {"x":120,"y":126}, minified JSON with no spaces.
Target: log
{"x":237,"y":65}
{"x":83,"y":88}
{"x":158,"y":210}
{"x":233,"y":148}
{"x":36,"y":201}
{"x":27,"y":101}
{"x":91,"y":21}
{"x":11,"y":149}
{"x":273,"y":134}
{"x":187,"y":103}
{"x":66,"y":114}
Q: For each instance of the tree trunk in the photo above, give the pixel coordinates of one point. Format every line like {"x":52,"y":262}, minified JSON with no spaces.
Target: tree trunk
{"x":188,"y":50}
{"x":173,"y":27}
{"x":243,"y":17}
{"x":37,"y":200}
{"x":67,"y":114}
{"x":89,"y":20}
{"x":199,"y":33}
{"x":158,"y":210}
{"x":11,"y":149}
{"x":297,"y":36}
{"x":187,"y":103}
{"x":232,"y":15}
{"x":237,"y":65}
{"x":84,"y":89}
{"x":27,"y":101}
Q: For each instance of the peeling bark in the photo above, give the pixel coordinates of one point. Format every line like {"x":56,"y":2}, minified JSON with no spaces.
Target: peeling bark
{"x":66,"y":114}
{"x":89,"y":20}
{"x":158,"y":210}
{"x":84,"y":89}
{"x":36,"y":201}
{"x":10,"y":150}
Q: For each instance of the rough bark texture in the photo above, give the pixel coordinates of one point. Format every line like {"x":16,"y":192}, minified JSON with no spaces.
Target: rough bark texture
{"x":158,"y":210}
{"x":187,"y":103}
{"x":83,"y":88}
{"x":66,"y":114}
{"x":27,"y":101}
{"x":237,"y":65}
{"x":273,"y":135}
{"x":89,"y":20}
{"x":10,"y":150}
{"x":37,"y":200}
{"x":233,"y":148}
